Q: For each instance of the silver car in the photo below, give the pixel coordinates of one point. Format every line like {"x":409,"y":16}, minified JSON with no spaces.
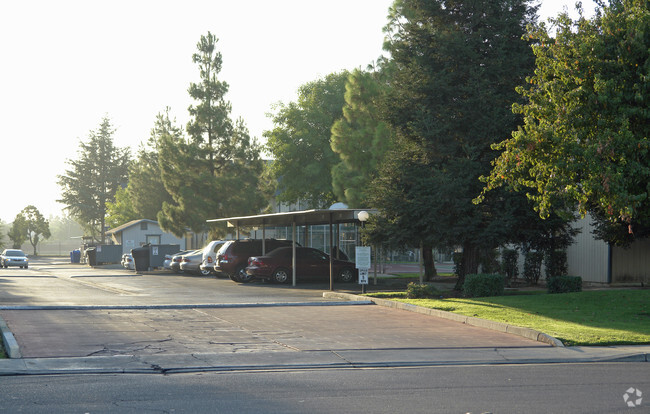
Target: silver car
{"x":14,"y":257}
{"x":191,"y":263}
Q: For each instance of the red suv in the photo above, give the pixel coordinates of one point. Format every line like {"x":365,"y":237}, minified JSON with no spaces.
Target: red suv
{"x":232,"y":258}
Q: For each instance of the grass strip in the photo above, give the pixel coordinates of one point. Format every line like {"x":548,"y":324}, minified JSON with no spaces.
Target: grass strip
{"x":603,"y":317}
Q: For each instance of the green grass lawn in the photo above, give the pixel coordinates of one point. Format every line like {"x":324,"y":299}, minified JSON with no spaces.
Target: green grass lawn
{"x":603,"y":317}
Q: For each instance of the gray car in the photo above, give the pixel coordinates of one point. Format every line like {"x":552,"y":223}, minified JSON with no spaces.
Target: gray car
{"x":191,"y":263}
{"x":14,"y":257}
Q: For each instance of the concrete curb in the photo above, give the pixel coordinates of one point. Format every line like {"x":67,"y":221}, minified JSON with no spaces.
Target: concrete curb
{"x":9,"y":342}
{"x":469,"y":320}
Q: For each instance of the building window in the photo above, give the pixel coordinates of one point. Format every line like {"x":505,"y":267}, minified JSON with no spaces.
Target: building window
{"x":143,"y":225}
{"x":153,"y":239}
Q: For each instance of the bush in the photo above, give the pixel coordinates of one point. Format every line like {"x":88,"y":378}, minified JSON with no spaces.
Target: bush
{"x":556,"y":263}
{"x":489,"y":261}
{"x":480,"y":285}
{"x":564,"y":284}
{"x":533,"y":266}
{"x":509,"y":264}
{"x":417,"y":291}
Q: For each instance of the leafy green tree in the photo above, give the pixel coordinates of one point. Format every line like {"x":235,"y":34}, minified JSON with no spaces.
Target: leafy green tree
{"x":36,"y":226}
{"x":214,"y":173}
{"x":584,"y":139}
{"x":93,"y":179}
{"x":360,"y":137}
{"x":18,"y":231}
{"x":457,"y":64}
{"x":300,"y":142}
{"x":121,"y":210}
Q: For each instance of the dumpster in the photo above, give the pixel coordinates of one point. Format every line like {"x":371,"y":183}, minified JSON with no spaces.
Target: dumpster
{"x":91,"y":256}
{"x":141,"y":258}
{"x":75,"y":256}
{"x":108,"y":253}
{"x":157,"y":253}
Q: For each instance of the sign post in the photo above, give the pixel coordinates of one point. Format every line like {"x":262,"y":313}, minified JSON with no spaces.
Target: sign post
{"x":362,"y":259}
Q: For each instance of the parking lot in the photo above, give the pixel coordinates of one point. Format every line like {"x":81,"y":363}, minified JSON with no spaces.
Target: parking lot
{"x":57,"y":309}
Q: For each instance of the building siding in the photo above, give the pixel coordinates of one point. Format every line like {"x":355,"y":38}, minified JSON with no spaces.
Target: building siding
{"x":632,"y":265}
{"x":588,"y":257}
{"x":132,"y":237}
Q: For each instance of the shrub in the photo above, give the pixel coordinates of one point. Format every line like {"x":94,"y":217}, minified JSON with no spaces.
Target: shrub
{"x":564,"y":284}
{"x":480,"y":285}
{"x":533,"y":266}
{"x":417,"y":291}
{"x":509,"y":265}
{"x":555,"y":263}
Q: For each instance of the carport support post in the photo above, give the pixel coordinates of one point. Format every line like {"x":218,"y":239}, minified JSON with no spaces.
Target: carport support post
{"x":293,"y":251}
{"x":331,"y":253}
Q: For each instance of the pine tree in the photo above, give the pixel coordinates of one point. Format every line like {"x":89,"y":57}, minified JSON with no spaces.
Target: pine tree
{"x":93,"y":179}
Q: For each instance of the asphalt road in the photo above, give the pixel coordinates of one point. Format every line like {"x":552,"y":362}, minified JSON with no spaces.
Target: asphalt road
{"x":530,"y":389}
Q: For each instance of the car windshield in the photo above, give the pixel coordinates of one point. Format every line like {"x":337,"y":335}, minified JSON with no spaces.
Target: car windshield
{"x":18,"y":253}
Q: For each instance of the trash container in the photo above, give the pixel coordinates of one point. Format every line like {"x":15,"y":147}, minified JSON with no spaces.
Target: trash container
{"x":91,"y":254}
{"x":75,"y":256}
{"x":141,"y":258}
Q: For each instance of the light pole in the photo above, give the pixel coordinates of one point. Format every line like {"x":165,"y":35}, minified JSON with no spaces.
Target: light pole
{"x":363,"y":216}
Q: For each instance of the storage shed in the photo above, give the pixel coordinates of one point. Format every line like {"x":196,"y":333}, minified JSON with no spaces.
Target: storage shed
{"x":137,"y":233}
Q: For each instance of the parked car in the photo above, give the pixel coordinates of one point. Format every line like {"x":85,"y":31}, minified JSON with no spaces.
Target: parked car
{"x":175,"y":265}
{"x":191,"y":263}
{"x":311,"y":264}
{"x":127,"y":261}
{"x":210,"y":255}
{"x":167,"y":263}
{"x":232,"y":258}
{"x":14,"y":257}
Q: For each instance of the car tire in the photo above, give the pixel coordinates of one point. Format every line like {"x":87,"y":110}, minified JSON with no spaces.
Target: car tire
{"x":234,"y":277}
{"x":204,"y":272}
{"x":346,"y":275}
{"x":281,"y":276}
{"x":243,"y":276}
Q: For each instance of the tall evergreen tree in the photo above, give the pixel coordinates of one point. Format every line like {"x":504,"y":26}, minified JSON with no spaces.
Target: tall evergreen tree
{"x":360,"y":137}
{"x":457,"y":65}
{"x":214,"y":173}
{"x":93,"y":179}
{"x":146,"y":190}
{"x":300,"y":142}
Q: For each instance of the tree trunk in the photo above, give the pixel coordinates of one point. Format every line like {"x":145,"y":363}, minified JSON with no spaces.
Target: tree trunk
{"x":429,"y":264}
{"x":469,"y":263}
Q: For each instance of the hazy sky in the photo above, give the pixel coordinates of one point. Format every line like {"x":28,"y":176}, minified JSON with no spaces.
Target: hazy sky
{"x":65,"y":64}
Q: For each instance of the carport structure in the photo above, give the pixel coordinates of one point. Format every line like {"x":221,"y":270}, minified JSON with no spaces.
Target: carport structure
{"x":294,"y":219}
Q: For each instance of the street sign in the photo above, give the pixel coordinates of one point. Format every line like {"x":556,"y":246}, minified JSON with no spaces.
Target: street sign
{"x":362,"y":257}
{"x":363,"y":276}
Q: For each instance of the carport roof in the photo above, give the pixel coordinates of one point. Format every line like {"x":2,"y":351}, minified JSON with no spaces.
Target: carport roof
{"x":300,"y":218}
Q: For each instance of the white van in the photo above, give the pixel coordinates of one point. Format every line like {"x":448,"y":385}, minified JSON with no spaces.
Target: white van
{"x":210,"y":255}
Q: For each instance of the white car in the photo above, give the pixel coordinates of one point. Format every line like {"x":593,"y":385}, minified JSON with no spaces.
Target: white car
{"x":210,"y":256}
{"x":127,"y":261}
{"x":14,"y":257}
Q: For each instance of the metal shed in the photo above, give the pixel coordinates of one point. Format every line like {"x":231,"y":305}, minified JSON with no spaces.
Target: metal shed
{"x":293,"y":219}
